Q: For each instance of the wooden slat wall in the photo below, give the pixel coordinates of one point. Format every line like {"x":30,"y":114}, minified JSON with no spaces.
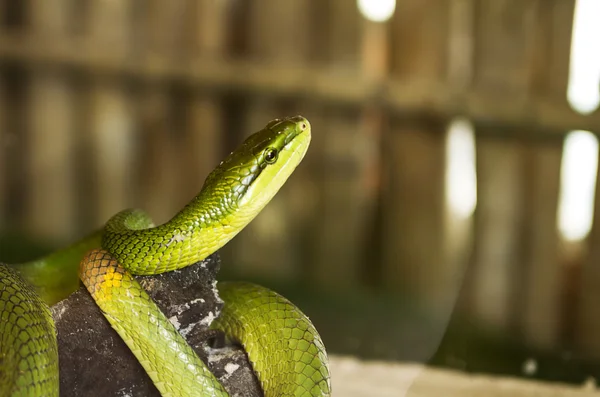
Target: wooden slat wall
{"x":516,"y":260}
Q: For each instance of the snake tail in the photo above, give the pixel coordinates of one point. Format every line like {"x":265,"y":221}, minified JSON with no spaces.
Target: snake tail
{"x":282,"y":344}
{"x":174,"y":367}
{"x":28,"y":349}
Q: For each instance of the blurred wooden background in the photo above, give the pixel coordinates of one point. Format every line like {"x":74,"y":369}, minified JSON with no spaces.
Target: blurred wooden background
{"x":111,"y":104}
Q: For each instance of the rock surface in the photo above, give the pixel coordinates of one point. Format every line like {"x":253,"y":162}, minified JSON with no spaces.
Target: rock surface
{"x":94,"y":361}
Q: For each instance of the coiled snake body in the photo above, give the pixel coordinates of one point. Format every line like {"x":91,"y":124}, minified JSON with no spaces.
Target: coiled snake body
{"x":285,"y":349}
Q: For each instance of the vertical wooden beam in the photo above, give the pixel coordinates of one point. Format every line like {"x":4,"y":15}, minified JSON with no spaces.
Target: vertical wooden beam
{"x":343,"y":151}
{"x":548,"y":76}
{"x":110,"y":26}
{"x":497,"y":231}
{"x":162,"y":31}
{"x":158,"y":157}
{"x":289,"y":21}
{"x":413,"y":204}
{"x":202,"y":145}
{"x":5,"y":142}
{"x":413,"y":188}
{"x":505,"y":37}
{"x":51,"y":202}
{"x":460,"y":44}
{"x":111,"y":129}
{"x":111,"y":118}
{"x":458,"y":230}
{"x":419,"y":40}
{"x":588,"y":324}
{"x":549,"y":71}
{"x":541,"y":290}
{"x":269,"y":235}
{"x":341,"y":45}
{"x":346,"y":197}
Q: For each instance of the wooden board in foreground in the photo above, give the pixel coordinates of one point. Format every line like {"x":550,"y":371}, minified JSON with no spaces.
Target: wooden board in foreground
{"x":354,"y":378}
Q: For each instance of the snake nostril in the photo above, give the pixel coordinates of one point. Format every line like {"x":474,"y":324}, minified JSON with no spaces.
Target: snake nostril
{"x":303,"y":126}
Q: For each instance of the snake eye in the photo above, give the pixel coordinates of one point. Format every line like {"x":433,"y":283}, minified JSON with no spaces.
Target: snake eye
{"x":270,"y":155}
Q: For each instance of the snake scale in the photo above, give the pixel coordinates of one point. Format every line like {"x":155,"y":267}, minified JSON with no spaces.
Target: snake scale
{"x":284,"y":348}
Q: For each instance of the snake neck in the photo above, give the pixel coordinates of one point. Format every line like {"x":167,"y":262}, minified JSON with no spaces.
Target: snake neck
{"x":208,"y":222}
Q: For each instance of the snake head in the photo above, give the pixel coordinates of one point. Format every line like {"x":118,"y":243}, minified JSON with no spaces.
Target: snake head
{"x":253,"y":173}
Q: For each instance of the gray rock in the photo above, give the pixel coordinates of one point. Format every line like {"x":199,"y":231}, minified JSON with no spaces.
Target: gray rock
{"x":94,"y":361}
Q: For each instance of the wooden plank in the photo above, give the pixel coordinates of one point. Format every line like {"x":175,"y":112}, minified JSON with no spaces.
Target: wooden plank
{"x":547,"y":116}
{"x":356,"y":378}
{"x":209,"y":28}
{"x":111,"y":139}
{"x":495,"y":275}
{"x":458,"y":228}
{"x":418,"y":41}
{"x":49,"y":20}
{"x":342,"y":153}
{"x":587,"y":321}
{"x":347,"y":197}
{"x":460,"y":43}
{"x":269,"y":235}
{"x":542,"y":260}
{"x":414,"y":156}
{"x":541,"y":290}
{"x":163,"y":30}
{"x":5,"y":143}
{"x":111,"y":112}
{"x":549,"y":64}
{"x":201,"y":145}
{"x":14,"y":86}
{"x":110,"y":28}
{"x":290,"y":44}
{"x":341,"y":47}
{"x":413,"y":204}
{"x":51,"y":200}
{"x":158,"y":156}
{"x":505,"y":37}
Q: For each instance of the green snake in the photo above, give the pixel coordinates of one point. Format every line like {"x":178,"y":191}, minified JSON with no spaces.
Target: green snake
{"x":283,"y":347}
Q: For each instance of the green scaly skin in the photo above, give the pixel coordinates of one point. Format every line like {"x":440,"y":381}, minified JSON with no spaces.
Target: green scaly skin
{"x":233,"y":194}
{"x":249,"y":315}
